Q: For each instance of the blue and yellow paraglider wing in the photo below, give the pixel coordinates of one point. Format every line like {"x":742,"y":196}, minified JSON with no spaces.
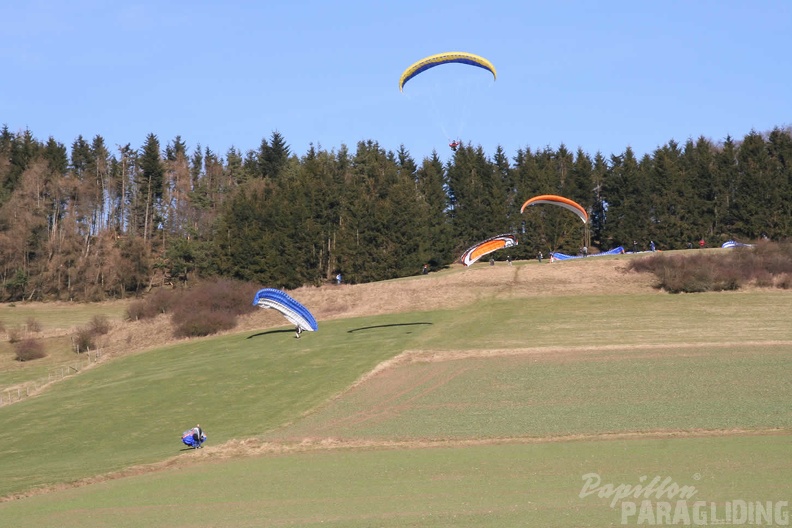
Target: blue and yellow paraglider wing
{"x":292,"y":310}
{"x":459,"y":57}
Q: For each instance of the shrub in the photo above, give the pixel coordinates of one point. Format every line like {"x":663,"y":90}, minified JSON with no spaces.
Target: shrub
{"x":136,"y":311}
{"x":29,"y":349}
{"x":141,"y":309}
{"x":767,"y":264}
{"x":99,"y":325}
{"x":686,"y":280}
{"x":763,"y":279}
{"x":204,"y":309}
{"x":651,"y":264}
{"x":83,"y":340}
{"x":33,"y":325}
{"x":162,"y":301}
{"x":785,"y":281}
{"x":211,"y":307}
{"x":203,"y":322}
{"x":221,"y":295}
{"x":14,"y":336}
{"x":159,"y":302}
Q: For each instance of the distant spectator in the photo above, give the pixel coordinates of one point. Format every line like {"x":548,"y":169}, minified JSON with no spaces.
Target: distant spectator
{"x":652,"y":245}
{"x":701,"y":243}
{"x":539,"y":257}
{"x":338,"y":278}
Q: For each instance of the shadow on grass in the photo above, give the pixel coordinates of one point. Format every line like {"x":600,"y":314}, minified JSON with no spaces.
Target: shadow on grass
{"x":288,"y":331}
{"x":384,"y":326}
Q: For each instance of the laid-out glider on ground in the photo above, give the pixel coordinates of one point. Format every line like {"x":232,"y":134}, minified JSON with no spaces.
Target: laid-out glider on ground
{"x":192,"y":438}
{"x":734,"y":243}
{"x":451,"y":57}
{"x":485,"y":247}
{"x":295,"y":312}
{"x":553,"y":199}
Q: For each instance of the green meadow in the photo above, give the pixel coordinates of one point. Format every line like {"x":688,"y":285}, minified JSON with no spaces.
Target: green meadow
{"x":55,"y":322}
{"x":484,"y":485}
{"x":507,"y":404}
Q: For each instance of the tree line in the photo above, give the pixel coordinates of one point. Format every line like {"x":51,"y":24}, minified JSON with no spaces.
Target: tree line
{"x":93,"y":222}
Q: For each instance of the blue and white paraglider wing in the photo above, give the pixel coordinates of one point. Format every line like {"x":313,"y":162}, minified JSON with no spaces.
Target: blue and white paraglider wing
{"x":188,"y":438}
{"x":295,"y":312}
{"x":734,"y":243}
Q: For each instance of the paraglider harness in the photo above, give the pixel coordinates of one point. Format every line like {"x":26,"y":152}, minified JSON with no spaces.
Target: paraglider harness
{"x":191,"y":438}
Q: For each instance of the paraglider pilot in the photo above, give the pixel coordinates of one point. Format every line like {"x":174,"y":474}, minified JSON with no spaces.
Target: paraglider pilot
{"x":298,"y":331}
{"x":454,"y":145}
{"x":194,"y":437}
{"x":197,"y":435}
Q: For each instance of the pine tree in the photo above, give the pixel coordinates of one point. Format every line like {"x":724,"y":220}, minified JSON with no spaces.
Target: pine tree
{"x":622,"y":192}
{"x":322,"y":180}
{"x":149,"y":187}
{"x":598,"y":207}
{"x":668,"y":191}
{"x":275,"y":156}
{"x":758,"y":201}
{"x":24,"y":149}
{"x":438,"y":243}
{"x":726,"y":185}
{"x":779,"y":145}
{"x":99,"y":170}
{"x":477,"y":198}
{"x":80,"y":157}
{"x":234,"y":167}
{"x":702,"y":189}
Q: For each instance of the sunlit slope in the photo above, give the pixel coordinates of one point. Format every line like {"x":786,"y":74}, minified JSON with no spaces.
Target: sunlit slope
{"x":561,"y":395}
{"x":495,"y":485}
{"x":132,"y":410}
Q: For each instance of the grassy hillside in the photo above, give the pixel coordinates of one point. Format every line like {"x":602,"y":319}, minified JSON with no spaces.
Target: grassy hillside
{"x":53,"y":324}
{"x":132,"y":410}
{"x":495,"y":390}
{"x":560,"y":394}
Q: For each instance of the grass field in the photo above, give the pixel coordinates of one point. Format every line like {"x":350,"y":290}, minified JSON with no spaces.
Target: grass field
{"x":57,"y":322}
{"x":487,"y":414}
{"x":58,"y":315}
{"x":474,"y":486}
{"x":564,"y":394}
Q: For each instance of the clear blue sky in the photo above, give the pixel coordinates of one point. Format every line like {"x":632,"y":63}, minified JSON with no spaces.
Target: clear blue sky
{"x":593,"y":74}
